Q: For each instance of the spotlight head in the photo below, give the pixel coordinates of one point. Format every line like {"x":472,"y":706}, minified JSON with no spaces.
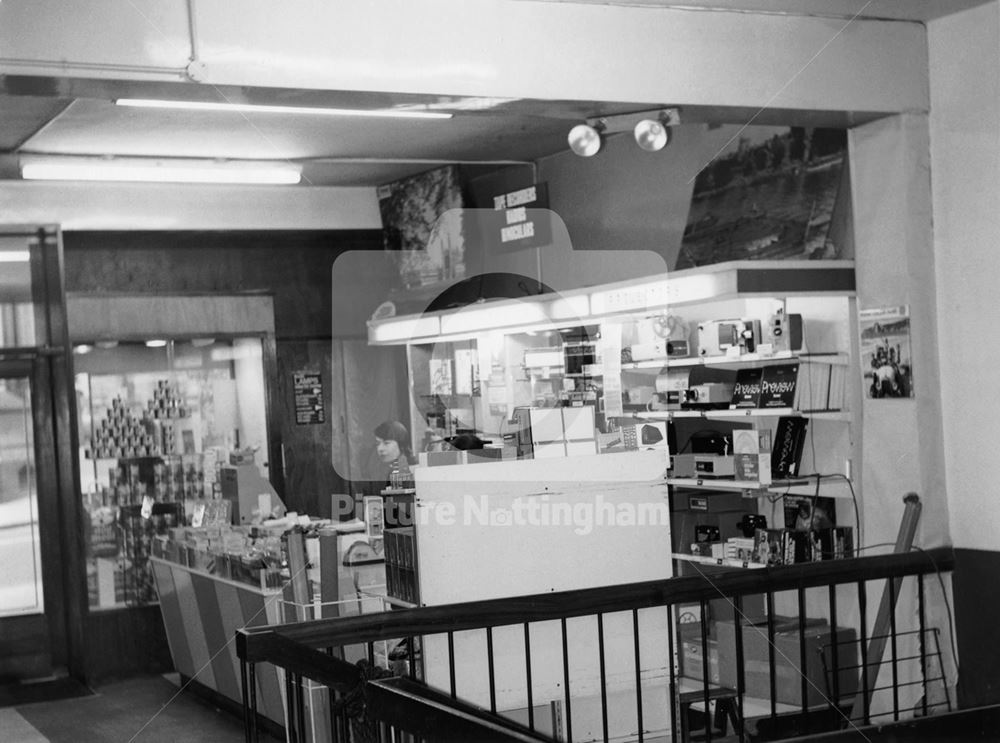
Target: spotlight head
{"x":585,"y":140}
{"x":651,"y":135}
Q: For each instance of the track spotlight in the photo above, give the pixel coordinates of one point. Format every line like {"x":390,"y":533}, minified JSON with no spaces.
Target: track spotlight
{"x":651,"y":130}
{"x":585,"y":140}
{"x":651,"y":135}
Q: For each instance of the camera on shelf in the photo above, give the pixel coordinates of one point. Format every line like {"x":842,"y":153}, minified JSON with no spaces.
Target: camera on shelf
{"x":720,"y":337}
{"x":784,"y":331}
{"x":708,"y":395}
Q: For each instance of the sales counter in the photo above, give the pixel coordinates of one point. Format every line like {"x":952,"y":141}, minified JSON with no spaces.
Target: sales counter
{"x":206,"y":594}
{"x":505,"y":528}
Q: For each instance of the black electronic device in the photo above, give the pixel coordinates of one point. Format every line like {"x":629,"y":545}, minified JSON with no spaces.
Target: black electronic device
{"x":710,"y":442}
{"x":651,"y":435}
{"x":706,"y":533}
{"x":578,"y":356}
{"x":708,"y":395}
{"x":677,"y":349}
{"x":751,"y":522}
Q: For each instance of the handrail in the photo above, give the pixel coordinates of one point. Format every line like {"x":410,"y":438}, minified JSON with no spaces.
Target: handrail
{"x":252,"y":642}
{"x":369,"y":696}
{"x":399,"y":701}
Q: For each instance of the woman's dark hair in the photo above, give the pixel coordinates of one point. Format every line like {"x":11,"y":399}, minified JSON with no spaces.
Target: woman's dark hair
{"x":397,"y":432}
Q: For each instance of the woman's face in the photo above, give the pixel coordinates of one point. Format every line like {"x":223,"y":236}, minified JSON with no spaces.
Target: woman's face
{"x":387,"y":449}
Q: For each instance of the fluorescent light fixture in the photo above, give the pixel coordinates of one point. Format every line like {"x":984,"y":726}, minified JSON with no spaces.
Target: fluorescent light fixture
{"x":404,"y":329}
{"x":570,"y":308}
{"x":202,"y":342}
{"x":159,"y":170}
{"x":156,"y":343}
{"x":14,"y":256}
{"x":488,"y":317}
{"x":385,"y":113}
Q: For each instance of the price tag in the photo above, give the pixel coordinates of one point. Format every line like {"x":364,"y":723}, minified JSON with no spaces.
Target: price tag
{"x":147,"y":507}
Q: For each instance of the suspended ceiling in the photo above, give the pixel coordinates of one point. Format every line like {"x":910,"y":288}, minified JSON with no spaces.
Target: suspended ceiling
{"x":62,"y":114}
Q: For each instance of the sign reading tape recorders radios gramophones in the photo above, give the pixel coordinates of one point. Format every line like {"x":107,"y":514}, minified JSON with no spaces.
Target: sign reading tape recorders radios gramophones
{"x":524,"y":219}
{"x":309,"y":407}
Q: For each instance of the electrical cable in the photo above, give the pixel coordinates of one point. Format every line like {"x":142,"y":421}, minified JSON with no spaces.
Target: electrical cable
{"x":944,"y":595}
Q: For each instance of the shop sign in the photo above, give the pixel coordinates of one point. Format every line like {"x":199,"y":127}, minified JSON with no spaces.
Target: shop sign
{"x":522,"y":217}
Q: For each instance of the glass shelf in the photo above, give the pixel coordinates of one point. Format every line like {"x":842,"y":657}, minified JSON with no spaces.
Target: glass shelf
{"x":718,"y":561}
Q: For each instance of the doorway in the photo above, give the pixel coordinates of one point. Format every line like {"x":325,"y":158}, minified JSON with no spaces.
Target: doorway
{"x":25,"y":647}
{"x":34,"y":411}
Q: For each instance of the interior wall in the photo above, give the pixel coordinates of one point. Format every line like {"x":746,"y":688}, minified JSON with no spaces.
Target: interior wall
{"x":965,"y":163}
{"x":965,"y":166}
{"x":901,"y":437}
{"x":625,"y":198}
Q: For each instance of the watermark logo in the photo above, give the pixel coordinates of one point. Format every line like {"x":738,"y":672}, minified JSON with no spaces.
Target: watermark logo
{"x":582,"y":515}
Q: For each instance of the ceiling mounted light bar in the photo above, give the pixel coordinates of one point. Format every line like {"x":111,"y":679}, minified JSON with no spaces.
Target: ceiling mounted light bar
{"x":14,"y":256}
{"x":159,"y":171}
{"x":386,"y":113}
{"x":651,"y":130}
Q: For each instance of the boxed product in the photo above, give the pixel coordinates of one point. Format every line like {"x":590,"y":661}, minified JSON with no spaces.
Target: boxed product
{"x":691,"y":653}
{"x":787,"y":660}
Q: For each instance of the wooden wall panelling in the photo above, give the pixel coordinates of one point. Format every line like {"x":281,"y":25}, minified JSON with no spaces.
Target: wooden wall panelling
{"x":310,"y":474}
{"x":295,"y":267}
{"x":375,"y":385}
{"x":123,"y":643}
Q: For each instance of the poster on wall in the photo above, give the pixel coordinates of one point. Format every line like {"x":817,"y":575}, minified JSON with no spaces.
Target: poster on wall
{"x":886,"y":359}
{"x":422,"y":225}
{"x":309,"y":405}
{"x":768,"y":193}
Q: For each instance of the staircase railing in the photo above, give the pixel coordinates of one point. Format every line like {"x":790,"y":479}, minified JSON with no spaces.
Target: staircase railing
{"x":614,"y":663}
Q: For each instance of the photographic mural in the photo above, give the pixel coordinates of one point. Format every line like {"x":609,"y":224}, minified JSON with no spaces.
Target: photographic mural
{"x":770,"y":193}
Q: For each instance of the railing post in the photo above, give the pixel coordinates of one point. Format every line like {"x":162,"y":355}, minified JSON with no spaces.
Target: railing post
{"x":740,"y":669}
{"x":603,"y":669}
{"x":249,"y":689}
{"x":638,"y":675}
{"x":569,"y":706}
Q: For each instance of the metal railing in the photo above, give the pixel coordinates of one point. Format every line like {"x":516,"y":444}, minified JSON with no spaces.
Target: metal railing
{"x":774,"y":652}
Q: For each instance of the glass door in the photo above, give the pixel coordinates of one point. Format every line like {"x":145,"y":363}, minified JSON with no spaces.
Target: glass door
{"x":30,"y":586}
{"x":36,"y":564}
{"x":20,"y":548}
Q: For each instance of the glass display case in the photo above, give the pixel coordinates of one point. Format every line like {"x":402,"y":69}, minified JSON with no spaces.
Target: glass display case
{"x":473,"y":385}
{"x":157,"y":421}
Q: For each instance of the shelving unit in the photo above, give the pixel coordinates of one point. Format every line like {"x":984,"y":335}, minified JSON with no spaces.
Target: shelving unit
{"x":519,"y":366}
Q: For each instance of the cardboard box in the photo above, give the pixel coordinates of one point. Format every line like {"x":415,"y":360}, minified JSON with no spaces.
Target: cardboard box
{"x":787,"y":663}
{"x":691,"y":654}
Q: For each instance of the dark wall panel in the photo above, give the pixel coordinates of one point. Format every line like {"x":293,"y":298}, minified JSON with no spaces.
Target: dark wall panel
{"x":294,"y":266}
{"x":977,"y":616}
{"x":310,"y":477}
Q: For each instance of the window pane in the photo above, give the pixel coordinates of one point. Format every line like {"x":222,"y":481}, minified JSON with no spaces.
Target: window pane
{"x":17,"y":314}
{"x":20,"y":554}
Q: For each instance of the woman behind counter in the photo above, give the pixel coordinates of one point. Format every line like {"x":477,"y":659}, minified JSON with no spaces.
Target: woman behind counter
{"x":392,"y":445}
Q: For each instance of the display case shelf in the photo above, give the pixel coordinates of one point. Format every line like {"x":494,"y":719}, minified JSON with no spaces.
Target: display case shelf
{"x":746,"y":359}
{"x":718,"y":561}
{"x":718,"y":483}
{"x":741,"y":413}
